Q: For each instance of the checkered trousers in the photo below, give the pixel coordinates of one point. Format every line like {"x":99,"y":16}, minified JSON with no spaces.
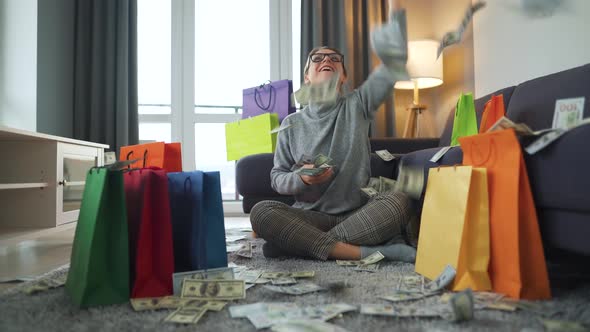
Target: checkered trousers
{"x":314,"y":234}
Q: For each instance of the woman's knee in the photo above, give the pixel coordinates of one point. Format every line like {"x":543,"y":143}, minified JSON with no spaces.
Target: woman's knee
{"x":398,"y":201}
{"x":261,"y":214}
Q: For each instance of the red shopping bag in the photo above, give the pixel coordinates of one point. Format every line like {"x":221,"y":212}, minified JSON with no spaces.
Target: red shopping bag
{"x":493,"y":111}
{"x":151,"y":254}
{"x":517,"y":261}
{"x":158,"y":154}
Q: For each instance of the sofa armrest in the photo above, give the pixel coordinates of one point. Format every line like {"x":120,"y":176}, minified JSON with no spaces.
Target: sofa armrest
{"x":253,"y":175}
{"x":403,"y":145}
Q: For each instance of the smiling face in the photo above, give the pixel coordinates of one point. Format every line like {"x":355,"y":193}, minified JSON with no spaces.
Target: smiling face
{"x":322,"y":64}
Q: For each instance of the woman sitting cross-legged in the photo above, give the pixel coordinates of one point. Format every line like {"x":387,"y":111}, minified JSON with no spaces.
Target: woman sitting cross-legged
{"x":331,"y":218}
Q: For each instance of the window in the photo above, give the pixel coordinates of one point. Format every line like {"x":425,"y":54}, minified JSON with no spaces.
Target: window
{"x":194,"y":59}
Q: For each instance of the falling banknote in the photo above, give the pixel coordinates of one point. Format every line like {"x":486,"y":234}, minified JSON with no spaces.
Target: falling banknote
{"x":325,"y":92}
{"x":454,"y":37}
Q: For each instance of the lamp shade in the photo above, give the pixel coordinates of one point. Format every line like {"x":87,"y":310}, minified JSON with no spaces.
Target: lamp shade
{"x":423,"y":66}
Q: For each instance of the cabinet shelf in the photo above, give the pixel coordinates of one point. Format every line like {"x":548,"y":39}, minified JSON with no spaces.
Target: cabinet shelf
{"x":4,"y":186}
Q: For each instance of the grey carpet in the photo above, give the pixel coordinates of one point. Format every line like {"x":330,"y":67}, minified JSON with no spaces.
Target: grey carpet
{"x":53,"y":311}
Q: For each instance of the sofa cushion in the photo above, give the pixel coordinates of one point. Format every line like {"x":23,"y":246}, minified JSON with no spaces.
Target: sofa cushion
{"x":558,"y":173}
{"x":480,"y":103}
{"x":533,"y":102}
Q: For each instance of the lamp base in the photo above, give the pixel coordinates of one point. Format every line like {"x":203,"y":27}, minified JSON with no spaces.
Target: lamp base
{"x":411,"y":129}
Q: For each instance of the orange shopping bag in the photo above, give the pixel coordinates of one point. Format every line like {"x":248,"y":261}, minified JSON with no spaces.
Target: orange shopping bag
{"x":454,"y":226}
{"x":157,"y":154}
{"x":517,"y":262}
{"x":492,"y":112}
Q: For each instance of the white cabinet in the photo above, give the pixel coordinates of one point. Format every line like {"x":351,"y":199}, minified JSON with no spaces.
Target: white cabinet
{"x":42,"y":177}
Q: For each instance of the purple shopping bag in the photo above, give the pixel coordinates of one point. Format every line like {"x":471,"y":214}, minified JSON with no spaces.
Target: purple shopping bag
{"x":271,"y":97}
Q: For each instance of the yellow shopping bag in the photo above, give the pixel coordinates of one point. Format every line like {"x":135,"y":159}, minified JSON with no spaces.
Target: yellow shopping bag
{"x":251,"y":136}
{"x":455,"y":227}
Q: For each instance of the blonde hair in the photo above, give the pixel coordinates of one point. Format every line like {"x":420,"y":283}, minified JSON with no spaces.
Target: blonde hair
{"x":315,"y":50}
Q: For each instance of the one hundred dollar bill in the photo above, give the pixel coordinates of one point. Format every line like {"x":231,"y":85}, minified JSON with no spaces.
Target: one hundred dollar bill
{"x":442,"y":281}
{"x":402,"y":297}
{"x":378,"y":309}
{"x":369,"y":192}
{"x":297,"y":289}
{"x":296,"y":274}
{"x":454,"y":37}
{"x":222,"y":290}
{"x":249,"y":276}
{"x":385,"y":155}
{"x":246,"y":250}
{"x":312,"y":171}
{"x":367,"y":268}
{"x":147,"y":303}
{"x":319,"y":93}
{"x":186,"y":315}
{"x":371,"y":259}
{"x":283,"y":281}
{"x":222,"y":273}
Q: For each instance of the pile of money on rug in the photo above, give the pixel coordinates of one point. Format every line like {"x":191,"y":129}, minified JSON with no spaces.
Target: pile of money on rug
{"x":296,"y":295}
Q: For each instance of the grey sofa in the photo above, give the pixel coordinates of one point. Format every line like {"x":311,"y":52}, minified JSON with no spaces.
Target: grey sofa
{"x":558,"y":176}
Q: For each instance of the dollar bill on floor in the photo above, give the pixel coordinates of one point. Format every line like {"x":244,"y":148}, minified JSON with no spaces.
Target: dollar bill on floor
{"x":421,"y":310}
{"x":371,"y":259}
{"x":222,"y":273}
{"x":367,"y":268}
{"x":378,"y":309}
{"x":246,"y":250}
{"x":297,"y":289}
{"x":243,"y":310}
{"x":208,"y":305}
{"x":249,"y":276}
{"x":296,"y":274}
{"x":403,"y":297}
{"x":410,"y":284}
{"x":552,"y":325}
{"x":283,"y":281}
{"x":147,"y":303}
{"x":185,"y":315}
{"x":442,"y":281}
{"x":314,"y":325}
{"x":219,"y":290}
{"x":385,"y":155}
{"x":454,"y":37}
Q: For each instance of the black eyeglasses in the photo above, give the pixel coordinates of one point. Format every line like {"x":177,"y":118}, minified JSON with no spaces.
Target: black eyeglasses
{"x":319,"y":57}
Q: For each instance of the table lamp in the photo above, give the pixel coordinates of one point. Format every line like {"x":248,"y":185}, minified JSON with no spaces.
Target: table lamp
{"x":426,"y":71}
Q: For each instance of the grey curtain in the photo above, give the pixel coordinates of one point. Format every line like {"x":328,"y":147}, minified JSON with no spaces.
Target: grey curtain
{"x":105,"y":72}
{"x":346,"y":25}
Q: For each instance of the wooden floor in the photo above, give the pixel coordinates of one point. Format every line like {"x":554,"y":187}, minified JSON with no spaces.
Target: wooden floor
{"x":26,"y":254}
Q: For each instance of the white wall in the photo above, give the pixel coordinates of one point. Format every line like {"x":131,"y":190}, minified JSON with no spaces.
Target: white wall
{"x":511,"y":47}
{"x":18,"y":63}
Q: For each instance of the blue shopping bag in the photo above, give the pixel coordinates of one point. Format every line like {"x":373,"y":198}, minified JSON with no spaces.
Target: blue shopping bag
{"x":197,"y":220}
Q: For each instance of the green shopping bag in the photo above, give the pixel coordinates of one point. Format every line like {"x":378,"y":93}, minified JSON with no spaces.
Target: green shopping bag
{"x":251,"y":136}
{"x":465,"y":122}
{"x":99,"y":265}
